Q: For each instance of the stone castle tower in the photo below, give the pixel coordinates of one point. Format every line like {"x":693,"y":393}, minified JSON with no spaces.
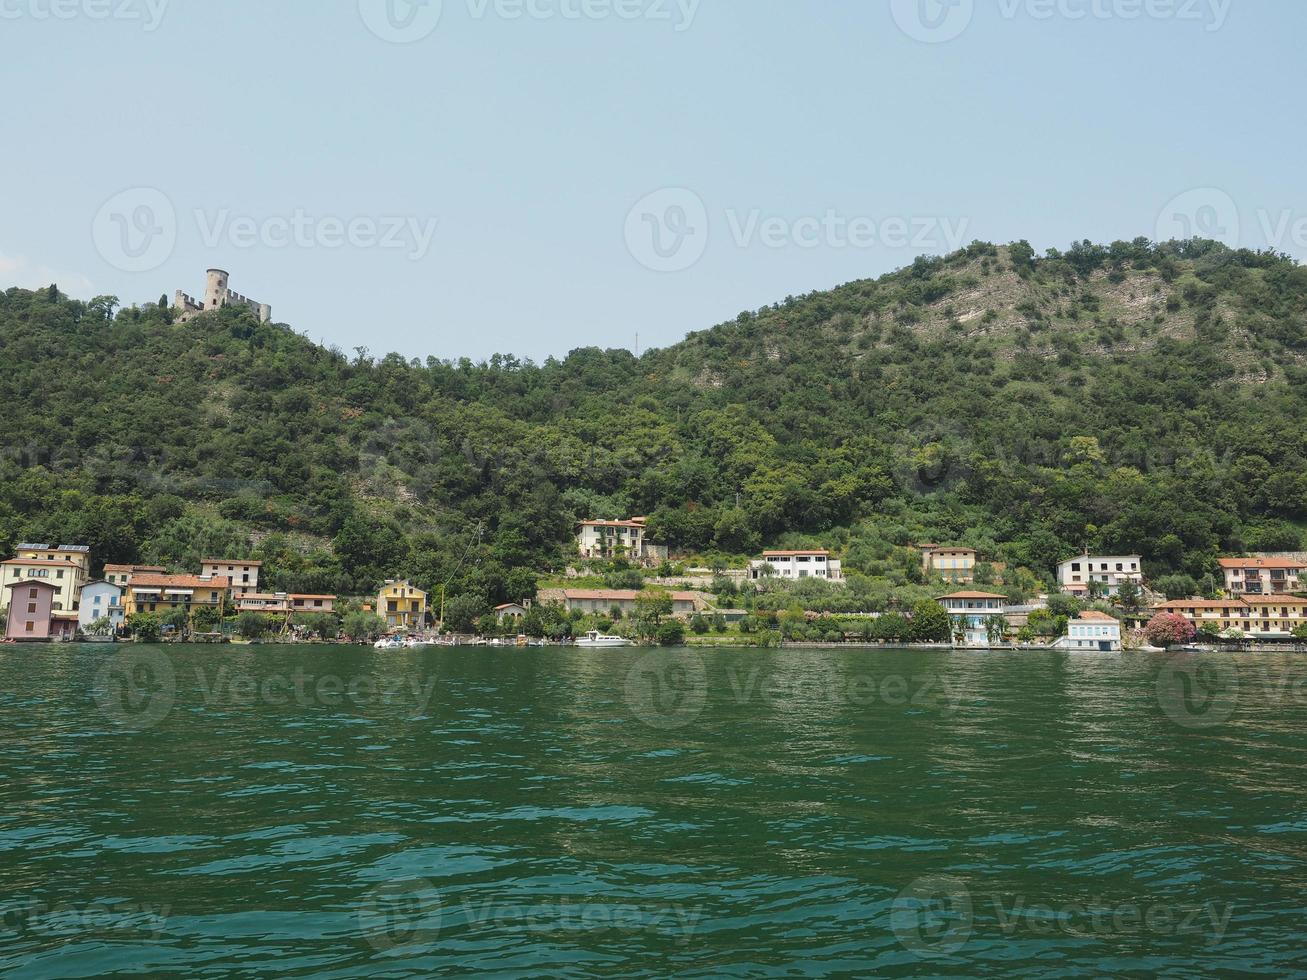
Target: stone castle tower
{"x":216,"y":296}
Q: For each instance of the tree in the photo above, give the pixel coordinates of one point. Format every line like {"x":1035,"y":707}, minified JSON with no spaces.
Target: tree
{"x":251,"y":625}
{"x":205,"y":619}
{"x":651,"y":606}
{"x":463,"y":611}
{"x":930,"y":623}
{"x":1168,"y":630}
{"x":699,"y":624}
{"x":1301,"y":632}
{"x":145,"y":627}
{"x":101,"y":627}
{"x":1129,"y":597}
{"x":996,"y":629}
{"x":362,"y":627}
{"x":671,"y":633}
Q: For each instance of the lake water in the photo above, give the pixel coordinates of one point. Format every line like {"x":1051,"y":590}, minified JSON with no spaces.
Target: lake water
{"x":336,"y":812}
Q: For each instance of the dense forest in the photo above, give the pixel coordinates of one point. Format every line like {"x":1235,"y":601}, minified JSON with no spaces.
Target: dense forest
{"x":1127,"y":398}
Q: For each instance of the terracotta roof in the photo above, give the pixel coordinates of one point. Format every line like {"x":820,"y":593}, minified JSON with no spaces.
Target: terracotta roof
{"x":947,"y":547}
{"x":791,"y":554}
{"x":1094,"y":616}
{"x":1274,"y":600}
{"x":972,"y":595}
{"x":33,"y":581}
{"x":229,"y":561}
{"x":621,"y":595}
{"x":40,"y":561}
{"x":1262,"y":563}
{"x":305,"y":595}
{"x":180,"y":582}
{"x":1240,"y":603}
{"x":509,"y":605}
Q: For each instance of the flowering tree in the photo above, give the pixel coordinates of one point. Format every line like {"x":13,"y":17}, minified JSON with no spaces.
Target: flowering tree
{"x":1168,"y":630}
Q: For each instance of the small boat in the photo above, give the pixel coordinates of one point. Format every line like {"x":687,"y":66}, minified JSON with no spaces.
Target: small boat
{"x":596,"y":639}
{"x":389,"y":643}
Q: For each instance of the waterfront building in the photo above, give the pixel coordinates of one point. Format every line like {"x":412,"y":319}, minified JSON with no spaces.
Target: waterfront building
{"x":302,"y":603}
{"x":807,"y":563}
{"x":165,"y":593}
{"x":122,"y":574}
{"x":1093,"y":630}
{"x":66,"y":567}
{"x":402,"y":605}
{"x":603,"y":601}
{"x":1263,"y":575}
{"x":275,"y":604}
{"x":954,"y":564}
{"x":1259,"y":617}
{"x":618,"y":539}
{"x":971,"y":613}
{"x":510,"y":610}
{"x":1107,"y":572}
{"x":31,"y":616}
{"x":242,"y":573}
{"x":101,"y":600}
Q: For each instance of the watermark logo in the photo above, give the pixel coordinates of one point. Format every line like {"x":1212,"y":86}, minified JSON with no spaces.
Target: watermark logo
{"x":667,"y":690}
{"x":1198,"y":693}
{"x":299,"y":229}
{"x":136,"y":229}
{"x":933,"y":21}
{"x":401,"y":21}
{"x":135,"y":690}
{"x":149,"y":13}
{"x":933,"y":916}
{"x":83,"y":922}
{"x":1211,"y":14}
{"x":1204,"y":212}
{"x":400,"y":915}
{"x":667,"y":231}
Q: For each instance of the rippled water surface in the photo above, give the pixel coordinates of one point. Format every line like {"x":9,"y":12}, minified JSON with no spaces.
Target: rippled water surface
{"x":333,"y":811}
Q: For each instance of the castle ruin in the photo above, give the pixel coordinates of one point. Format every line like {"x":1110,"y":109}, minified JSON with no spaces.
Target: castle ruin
{"x":216,"y":296}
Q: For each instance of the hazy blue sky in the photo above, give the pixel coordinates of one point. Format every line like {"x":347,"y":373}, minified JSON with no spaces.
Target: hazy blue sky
{"x":531,"y":176}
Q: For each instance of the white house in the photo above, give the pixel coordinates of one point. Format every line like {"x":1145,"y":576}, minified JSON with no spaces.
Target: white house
{"x":618,"y":539}
{"x":816,"y":563}
{"x":971,"y":613}
{"x":243,"y":575}
{"x":100,"y":600}
{"x":1110,"y":572}
{"x":1092,"y":631}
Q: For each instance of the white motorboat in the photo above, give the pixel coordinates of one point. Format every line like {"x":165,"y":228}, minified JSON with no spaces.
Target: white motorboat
{"x":596,"y":639}
{"x":389,"y":643}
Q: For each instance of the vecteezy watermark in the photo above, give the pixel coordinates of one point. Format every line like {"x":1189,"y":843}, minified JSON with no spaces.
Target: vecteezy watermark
{"x":936,"y":916}
{"x":40,"y":919}
{"x":937,"y":21}
{"x":137,"y":689}
{"x":401,"y":915}
{"x":137,"y":229}
{"x":669,"y":230}
{"x":670,"y":690}
{"x":149,"y":13}
{"x":299,"y":229}
{"x":1210,"y":212}
{"x":406,"y":21}
{"x":1195,"y":692}
{"x":583,"y":915}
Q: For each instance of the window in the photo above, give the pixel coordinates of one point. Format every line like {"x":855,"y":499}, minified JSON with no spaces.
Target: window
{"x":1075,"y":567}
{"x":31,"y":627}
{"x":32,"y":594}
{"x":31,"y":608}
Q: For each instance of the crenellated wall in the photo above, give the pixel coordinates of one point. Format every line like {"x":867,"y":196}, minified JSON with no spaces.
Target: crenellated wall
{"x":216,"y":296}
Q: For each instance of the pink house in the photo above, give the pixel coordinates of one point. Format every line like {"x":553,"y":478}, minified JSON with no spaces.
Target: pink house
{"x":31,"y":606}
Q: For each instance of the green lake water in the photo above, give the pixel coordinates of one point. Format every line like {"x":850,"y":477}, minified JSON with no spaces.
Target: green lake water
{"x":338,"y":812}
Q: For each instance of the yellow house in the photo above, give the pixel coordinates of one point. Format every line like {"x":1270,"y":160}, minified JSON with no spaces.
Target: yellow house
{"x":66,"y":567}
{"x":1257,"y":616}
{"x":164,"y":593}
{"x":402,"y":605}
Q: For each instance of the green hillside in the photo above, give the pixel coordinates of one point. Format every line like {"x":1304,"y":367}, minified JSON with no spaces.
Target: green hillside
{"x":1129,"y":397}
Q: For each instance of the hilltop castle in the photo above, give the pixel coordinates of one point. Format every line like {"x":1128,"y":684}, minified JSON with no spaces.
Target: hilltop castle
{"x":216,"y":296}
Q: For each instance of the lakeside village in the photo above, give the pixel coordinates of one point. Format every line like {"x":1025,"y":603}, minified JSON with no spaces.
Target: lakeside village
{"x":623,"y":590}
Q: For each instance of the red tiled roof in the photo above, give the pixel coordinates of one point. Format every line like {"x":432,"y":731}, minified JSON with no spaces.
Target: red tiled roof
{"x":620,"y":595}
{"x":180,"y":582}
{"x":1262,"y":563}
{"x":1094,"y":616}
{"x":301,"y":595}
{"x":229,"y":561}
